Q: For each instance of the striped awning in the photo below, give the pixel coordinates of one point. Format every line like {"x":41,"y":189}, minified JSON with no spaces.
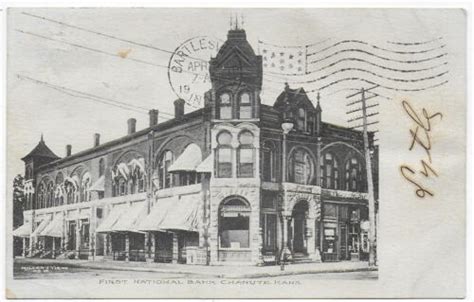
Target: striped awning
{"x":111,"y":219}
{"x":206,"y":166}
{"x":53,"y":229}
{"x":23,"y":230}
{"x":188,"y":160}
{"x":183,"y":215}
{"x":158,"y":213}
{"x":43,"y":224}
{"x":130,"y":218}
{"x":99,"y":185}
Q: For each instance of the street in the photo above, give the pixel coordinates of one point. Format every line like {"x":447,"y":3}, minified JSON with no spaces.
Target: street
{"x":58,"y":271}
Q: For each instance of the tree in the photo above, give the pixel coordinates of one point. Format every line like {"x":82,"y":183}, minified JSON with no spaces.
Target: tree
{"x":19,"y":201}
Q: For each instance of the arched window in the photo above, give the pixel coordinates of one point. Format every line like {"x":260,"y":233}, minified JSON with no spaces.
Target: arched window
{"x":225,"y":106}
{"x":233,"y":223}
{"x":137,"y":171}
{"x":301,"y":167}
{"x":101,"y":167}
{"x":165,"y":178}
{"x":85,"y":185}
{"x":59,"y":190}
{"x":245,"y":106}
{"x":301,"y":120}
{"x":353,"y":175}
{"x":28,"y":173}
{"x":268,"y":161}
{"x":50,"y":194}
{"x":329,"y":171}
{"x":40,"y":196}
{"x":224,"y":155}
{"x":245,"y":155}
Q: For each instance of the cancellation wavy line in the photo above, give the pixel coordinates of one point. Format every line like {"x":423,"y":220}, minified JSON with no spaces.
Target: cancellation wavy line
{"x":379,"y":85}
{"x":368,"y":72}
{"x":294,"y":46}
{"x":414,"y":43}
{"x":378,"y":48}
{"x":377,"y":56}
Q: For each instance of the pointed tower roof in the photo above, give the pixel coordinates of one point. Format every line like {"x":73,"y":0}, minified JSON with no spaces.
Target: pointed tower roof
{"x":41,"y":150}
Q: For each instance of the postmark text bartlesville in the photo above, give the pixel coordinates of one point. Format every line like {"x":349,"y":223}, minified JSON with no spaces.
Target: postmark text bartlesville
{"x":420,"y":135}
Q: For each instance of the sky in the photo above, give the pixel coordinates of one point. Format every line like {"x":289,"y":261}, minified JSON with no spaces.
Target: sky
{"x":52,"y":85}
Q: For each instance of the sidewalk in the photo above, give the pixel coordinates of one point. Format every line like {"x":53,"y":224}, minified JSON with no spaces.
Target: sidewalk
{"x":217,"y":271}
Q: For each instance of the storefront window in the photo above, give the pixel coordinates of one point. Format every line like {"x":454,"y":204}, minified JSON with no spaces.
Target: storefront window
{"x":269,"y":221}
{"x":234,"y":217}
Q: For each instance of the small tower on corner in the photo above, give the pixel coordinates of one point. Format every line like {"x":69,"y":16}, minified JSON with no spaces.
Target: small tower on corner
{"x":236,"y":77}
{"x":40,"y":155}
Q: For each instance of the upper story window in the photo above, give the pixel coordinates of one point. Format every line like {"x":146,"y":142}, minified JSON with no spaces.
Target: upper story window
{"x":268,"y":161}
{"x":225,"y":106}
{"x":245,"y":155}
{"x":224,"y":155}
{"x":329,"y":171}
{"x":40,"y":196}
{"x":59,"y":190}
{"x":301,"y":167}
{"x":353,"y":177}
{"x":301,"y":119}
{"x":245,"y":106}
{"x":137,"y":175}
{"x":101,"y":167}
{"x":85,"y":185}
{"x":165,"y":178}
{"x":50,"y":194}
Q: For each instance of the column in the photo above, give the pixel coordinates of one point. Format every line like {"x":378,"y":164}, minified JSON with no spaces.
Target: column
{"x":127,"y":247}
{"x":78,"y":237}
{"x":152,"y":247}
{"x":109,"y":238}
{"x":23,"y":250}
{"x":260,"y":247}
{"x":54,"y":248}
{"x":106,"y":245}
{"x":175,"y":248}
{"x":286,"y":251}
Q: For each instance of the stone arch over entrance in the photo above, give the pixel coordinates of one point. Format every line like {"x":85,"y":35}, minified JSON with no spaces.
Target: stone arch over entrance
{"x":295,"y":198}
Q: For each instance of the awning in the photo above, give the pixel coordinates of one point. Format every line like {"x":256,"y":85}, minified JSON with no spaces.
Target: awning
{"x":23,"y":231}
{"x":99,"y":185}
{"x":54,"y":229}
{"x":130,"y":218}
{"x":43,"y":224}
{"x":206,"y":166}
{"x":188,"y":160}
{"x":111,"y":219}
{"x":158,"y":214}
{"x":183,"y":215}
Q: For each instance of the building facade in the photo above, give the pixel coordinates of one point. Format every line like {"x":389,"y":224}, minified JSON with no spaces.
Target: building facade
{"x":225,"y":183}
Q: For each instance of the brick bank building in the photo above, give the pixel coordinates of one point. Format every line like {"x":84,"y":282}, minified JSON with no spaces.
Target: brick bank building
{"x":236,"y":181}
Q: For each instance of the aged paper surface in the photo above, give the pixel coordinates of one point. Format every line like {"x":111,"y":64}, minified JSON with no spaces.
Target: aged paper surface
{"x":223,"y":153}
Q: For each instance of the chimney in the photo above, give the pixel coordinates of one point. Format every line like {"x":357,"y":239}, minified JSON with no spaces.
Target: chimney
{"x":96,"y":139}
{"x":153,"y":113}
{"x":178,"y":108}
{"x":132,"y":123}
{"x":68,"y":150}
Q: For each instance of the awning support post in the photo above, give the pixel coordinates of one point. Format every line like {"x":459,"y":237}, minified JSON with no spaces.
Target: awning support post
{"x":23,"y":251}
{"x":175,"y":248}
{"x":127,"y":247}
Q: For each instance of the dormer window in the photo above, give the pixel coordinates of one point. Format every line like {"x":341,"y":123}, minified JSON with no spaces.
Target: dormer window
{"x":225,"y":106}
{"x":245,"y":106}
{"x":301,"y":120}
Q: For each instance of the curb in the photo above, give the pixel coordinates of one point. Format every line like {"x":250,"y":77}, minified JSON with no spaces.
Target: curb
{"x":208,"y":274}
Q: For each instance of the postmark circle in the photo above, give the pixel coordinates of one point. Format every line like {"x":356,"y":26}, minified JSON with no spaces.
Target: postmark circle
{"x":188,"y":69}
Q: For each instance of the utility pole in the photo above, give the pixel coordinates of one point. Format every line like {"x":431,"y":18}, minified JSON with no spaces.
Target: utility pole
{"x":368,"y":165}
{"x":370,"y":183}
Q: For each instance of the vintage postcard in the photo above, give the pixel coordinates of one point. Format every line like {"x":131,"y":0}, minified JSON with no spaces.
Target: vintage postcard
{"x":236,"y":153}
